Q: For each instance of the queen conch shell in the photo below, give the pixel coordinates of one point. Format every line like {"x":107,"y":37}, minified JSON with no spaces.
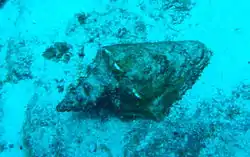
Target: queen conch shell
{"x":141,"y":80}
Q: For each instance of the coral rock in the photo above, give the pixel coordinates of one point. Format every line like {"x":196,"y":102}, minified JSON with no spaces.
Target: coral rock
{"x":60,"y":51}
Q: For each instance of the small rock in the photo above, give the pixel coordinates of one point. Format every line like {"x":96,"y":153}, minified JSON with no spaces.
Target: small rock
{"x":60,"y":51}
{"x":2,"y":3}
{"x":11,"y":145}
{"x":121,"y":32}
{"x":81,"y":54}
{"x":92,"y":147}
{"x":2,"y":147}
{"x":81,"y":17}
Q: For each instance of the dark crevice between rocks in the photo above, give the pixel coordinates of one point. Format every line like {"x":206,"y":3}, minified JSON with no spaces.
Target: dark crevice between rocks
{"x":2,"y":3}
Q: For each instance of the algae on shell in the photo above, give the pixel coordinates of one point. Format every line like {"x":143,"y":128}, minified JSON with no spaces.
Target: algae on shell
{"x":141,"y":80}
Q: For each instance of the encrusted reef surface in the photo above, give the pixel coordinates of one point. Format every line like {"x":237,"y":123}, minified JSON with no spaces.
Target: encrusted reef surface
{"x":114,"y":81}
{"x":121,"y":105}
{"x":124,"y":78}
{"x":140,"y":80}
{"x":47,"y":133}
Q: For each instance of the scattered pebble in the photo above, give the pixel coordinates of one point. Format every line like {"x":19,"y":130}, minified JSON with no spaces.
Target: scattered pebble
{"x":92,"y":147}
{"x":11,"y":145}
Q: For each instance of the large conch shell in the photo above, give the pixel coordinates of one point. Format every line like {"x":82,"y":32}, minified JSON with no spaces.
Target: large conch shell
{"x":140,"y":80}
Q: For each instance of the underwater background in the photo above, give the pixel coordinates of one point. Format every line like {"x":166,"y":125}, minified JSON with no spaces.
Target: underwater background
{"x":48,"y":47}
